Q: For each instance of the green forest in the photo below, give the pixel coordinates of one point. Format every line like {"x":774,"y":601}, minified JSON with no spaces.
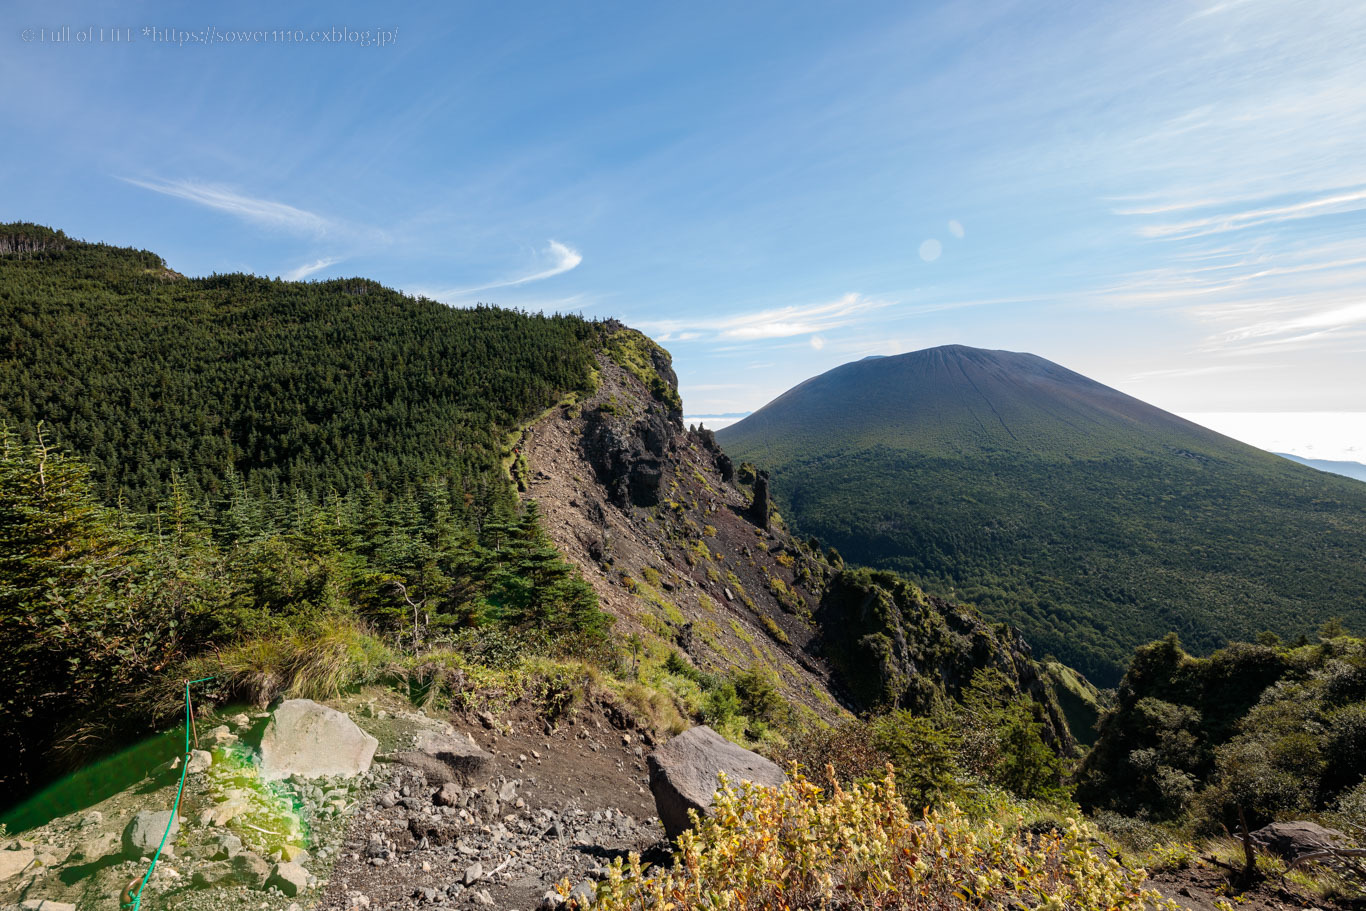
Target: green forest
{"x":284,"y":388}
{"x":194,"y":467}
{"x":1087,"y":519}
{"x":1195,"y":551}
{"x":1258,"y":731}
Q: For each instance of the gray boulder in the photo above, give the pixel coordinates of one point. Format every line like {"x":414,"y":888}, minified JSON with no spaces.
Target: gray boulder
{"x":289,"y":878}
{"x":310,"y":740}
{"x":249,"y":869}
{"x":143,"y":833}
{"x":446,"y":758}
{"x":684,"y":774}
{"x":1289,"y":840}
{"x":225,"y":846}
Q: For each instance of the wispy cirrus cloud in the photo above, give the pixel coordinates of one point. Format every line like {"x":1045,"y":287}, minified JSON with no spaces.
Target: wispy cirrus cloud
{"x":773,"y":323}
{"x":1238,"y":220}
{"x":562,"y":257}
{"x":307,"y":269}
{"x":265,"y":212}
{"x":1199,"y":371}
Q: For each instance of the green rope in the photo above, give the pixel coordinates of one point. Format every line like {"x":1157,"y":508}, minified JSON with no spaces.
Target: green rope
{"x":175,"y":807}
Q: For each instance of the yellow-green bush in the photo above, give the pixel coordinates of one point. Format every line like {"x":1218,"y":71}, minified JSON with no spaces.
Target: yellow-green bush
{"x":774,"y":630}
{"x":802,"y":846}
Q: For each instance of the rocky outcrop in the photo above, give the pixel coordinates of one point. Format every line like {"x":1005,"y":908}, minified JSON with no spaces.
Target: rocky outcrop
{"x":628,"y":456}
{"x":1289,"y":840}
{"x":724,"y":466}
{"x":311,"y":740}
{"x":893,"y":646}
{"x":760,"y":509}
{"x":449,"y":759}
{"x":685,"y":773}
{"x":629,"y":441}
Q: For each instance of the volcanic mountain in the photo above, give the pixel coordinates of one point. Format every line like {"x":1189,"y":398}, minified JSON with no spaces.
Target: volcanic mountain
{"x":1089,"y":519}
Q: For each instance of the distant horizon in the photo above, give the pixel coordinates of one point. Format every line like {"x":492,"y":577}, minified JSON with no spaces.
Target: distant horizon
{"x":1264,"y":430}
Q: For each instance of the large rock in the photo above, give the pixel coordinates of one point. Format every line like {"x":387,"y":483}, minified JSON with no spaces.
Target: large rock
{"x":1289,"y":840}
{"x":14,"y":861}
{"x":311,"y":740}
{"x":249,"y":869}
{"x":144,"y":831}
{"x":447,"y":758}
{"x":289,"y":878}
{"x":684,"y":774}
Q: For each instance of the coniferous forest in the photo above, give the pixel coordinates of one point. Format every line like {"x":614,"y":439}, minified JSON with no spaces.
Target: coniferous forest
{"x":192,"y":463}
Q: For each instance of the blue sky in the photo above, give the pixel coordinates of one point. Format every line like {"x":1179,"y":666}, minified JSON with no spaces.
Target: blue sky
{"x":1167,"y":196}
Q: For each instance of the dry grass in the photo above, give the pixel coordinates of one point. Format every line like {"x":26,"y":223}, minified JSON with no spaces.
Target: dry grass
{"x":318,"y":663}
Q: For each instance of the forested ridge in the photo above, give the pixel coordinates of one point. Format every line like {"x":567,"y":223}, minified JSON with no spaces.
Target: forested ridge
{"x":290,"y":477}
{"x":1091,"y":521}
{"x":293,"y":387}
{"x":297,"y":488}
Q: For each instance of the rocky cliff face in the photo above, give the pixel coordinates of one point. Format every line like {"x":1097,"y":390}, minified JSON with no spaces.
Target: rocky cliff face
{"x":893,"y":646}
{"x":649,"y":510}
{"x":691,"y":557}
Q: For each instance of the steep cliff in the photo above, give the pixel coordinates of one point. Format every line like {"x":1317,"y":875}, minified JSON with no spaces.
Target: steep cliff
{"x":689,"y":554}
{"x":650,"y":512}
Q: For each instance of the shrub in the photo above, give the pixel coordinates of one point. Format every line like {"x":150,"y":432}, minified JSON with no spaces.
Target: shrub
{"x":845,"y":750}
{"x":923,"y":753}
{"x":801,"y":846}
{"x":757,"y":690}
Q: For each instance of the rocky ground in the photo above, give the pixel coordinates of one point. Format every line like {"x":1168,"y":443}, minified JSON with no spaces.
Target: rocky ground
{"x":544,"y":804}
{"x":561,"y":804}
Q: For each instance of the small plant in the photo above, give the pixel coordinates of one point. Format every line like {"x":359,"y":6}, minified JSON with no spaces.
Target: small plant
{"x":774,"y":630}
{"x":1172,"y":856}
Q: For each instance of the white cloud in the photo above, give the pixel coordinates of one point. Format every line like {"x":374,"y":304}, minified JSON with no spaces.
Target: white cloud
{"x":778,"y":322}
{"x":1322,"y":320}
{"x":1198,"y":371}
{"x":308,"y":269}
{"x":817,"y":342}
{"x":1240,"y":220}
{"x":562,"y":256}
{"x":1312,"y":434}
{"x":268,"y":213}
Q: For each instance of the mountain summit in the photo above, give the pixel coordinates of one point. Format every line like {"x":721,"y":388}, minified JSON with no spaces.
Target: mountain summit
{"x":964,"y":399}
{"x":1091,"y":520}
